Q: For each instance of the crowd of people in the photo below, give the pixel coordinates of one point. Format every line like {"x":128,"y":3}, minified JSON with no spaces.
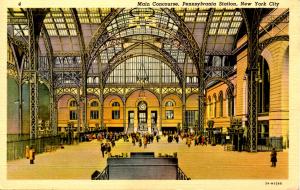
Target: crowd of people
{"x":108,"y":139}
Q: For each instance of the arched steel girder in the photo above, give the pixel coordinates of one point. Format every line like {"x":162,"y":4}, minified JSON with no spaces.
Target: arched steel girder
{"x":162,"y":52}
{"x":252,"y":18}
{"x":269,"y":41}
{"x":79,"y":36}
{"x":19,"y":56}
{"x":49,"y":52}
{"x":98,"y":38}
{"x":166,"y":58}
{"x":189,"y":41}
{"x":120,"y":40}
{"x":22,"y":45}
{"x":205,"y":37}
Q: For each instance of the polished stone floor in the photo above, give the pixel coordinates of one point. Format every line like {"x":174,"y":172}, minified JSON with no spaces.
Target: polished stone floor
{"x":197,"y":162}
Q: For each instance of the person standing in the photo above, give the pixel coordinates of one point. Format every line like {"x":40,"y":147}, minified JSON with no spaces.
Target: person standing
{"x":27,"y":152}
{"x":273,"y":157}
{"x":157,"y":138}
{"x":31,"y":155}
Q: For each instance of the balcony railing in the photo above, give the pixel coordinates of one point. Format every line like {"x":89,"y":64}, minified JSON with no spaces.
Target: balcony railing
{"x":181,"y":175}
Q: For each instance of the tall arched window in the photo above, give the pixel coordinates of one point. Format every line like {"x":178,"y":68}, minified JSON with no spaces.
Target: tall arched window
{"x":215,"y":105}
{"x":73,"y":110}
{"x":94,"y":112}
{"x":263,"y":86}
{"x":221,"y":104}
{"x":169,"y":110}
{"x":228,"y":99}
{"x":209,"y":107}
{"x":116,"y":110}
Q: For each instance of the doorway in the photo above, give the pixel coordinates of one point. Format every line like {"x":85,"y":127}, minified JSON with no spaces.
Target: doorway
{"x":130,"y":122}
{"x":154,"y":121}
{"x":142,"y":116}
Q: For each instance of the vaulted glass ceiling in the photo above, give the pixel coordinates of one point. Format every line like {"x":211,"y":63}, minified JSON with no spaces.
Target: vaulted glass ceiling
{"x":60,"y":24}
{"x":137,"y":31}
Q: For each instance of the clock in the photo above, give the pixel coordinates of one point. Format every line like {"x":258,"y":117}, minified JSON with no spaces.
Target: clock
{"x":142,"y":106}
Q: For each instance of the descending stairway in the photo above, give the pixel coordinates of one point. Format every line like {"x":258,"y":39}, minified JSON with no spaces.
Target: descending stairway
{"x":141,"y":165}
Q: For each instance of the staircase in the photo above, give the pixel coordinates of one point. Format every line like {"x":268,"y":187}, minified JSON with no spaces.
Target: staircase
{"x":141,"y":165}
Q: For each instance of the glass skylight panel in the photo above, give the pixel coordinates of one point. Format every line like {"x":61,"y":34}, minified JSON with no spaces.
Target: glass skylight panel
{"x":48,"y":20}
{"x":52,"y":32}
{"x":212,"y":31}
{"x":214,"y":24}
{"x":226,"y":18}
{"x":218,"y":13}
{"x":25,"y":32}
{"x":216,"y":18}
{"x":69,"y":20}
{"x":73,"y":32}
{"x":232,"y":31}
{"x":235,"y":24}
{"x":237,"y":18}
{"x":63,"y":32}
{"x":228,"y":13}
{"x":71,"y":26}
{"x":201,"y":19}
{"x":224,"y":24}
{"x":222,"y":31}
{"x":189,"y":19}
{"x":58,"y":20}
{"x":56,"y":14}
{"x":59,"y":26}
{"x":50,"y":26}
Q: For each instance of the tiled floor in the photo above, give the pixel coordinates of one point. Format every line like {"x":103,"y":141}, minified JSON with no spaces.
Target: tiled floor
{"x":197,"y":162}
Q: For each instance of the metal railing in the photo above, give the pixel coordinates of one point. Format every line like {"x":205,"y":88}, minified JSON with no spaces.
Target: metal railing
{"x":267,"y":144}
{"x":102,"y":176}
{"x":181,"y":175}
{"x":16,"y":148}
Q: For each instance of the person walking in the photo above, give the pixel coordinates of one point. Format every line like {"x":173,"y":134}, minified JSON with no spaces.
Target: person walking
{"x":108,"y":149}
{"x":273,"y":157}
{"x":189,"y":141}
{"x":103,"y":148}
{"x":145,"y":142}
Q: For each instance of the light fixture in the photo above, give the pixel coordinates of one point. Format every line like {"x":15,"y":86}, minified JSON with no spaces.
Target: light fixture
{"x":142,"y":75}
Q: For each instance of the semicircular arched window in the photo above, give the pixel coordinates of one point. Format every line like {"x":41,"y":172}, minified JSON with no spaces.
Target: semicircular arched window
{"x":73,"y":103}
{"x":116,"y":104}
{"x":169,"y":104}
{"x":94,"y":104}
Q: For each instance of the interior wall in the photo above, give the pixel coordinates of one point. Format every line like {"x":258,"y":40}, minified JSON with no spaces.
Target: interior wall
{"x":12,"y":107}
